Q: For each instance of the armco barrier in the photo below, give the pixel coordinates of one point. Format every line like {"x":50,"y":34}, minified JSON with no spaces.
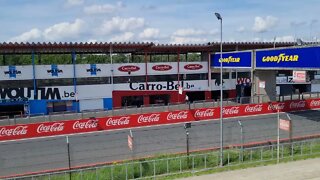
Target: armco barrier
{"x":149,"y":119}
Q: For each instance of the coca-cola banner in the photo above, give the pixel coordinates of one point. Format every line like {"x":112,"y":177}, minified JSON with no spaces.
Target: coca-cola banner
{"x":149,"y":119}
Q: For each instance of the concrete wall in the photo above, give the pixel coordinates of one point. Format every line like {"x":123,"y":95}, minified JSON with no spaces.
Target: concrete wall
{"x":269,"y":77}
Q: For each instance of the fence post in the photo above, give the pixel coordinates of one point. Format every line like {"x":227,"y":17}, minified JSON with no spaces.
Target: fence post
{"x":292,"y":151}
{"x":126,"y":171}
{"x":167,"y":166}
{"x":311,"y":147}
{"x":205,"y":161}
{"x":228,"y":158}
{"x":261,"y":158}
{"x":192,"y":163}
{"x":111,"y":172}
{"x":97,"y":175}
{"x":140,"y":169}
{"x":154,"y":168}
{"x":301,"y":148}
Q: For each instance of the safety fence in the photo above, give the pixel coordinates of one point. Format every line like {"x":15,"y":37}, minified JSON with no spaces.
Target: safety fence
{"x":6,"y":120}
{"x":155,"y":168}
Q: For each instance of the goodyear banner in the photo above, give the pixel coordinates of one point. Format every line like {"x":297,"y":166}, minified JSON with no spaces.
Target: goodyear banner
{"x":289,"y":58}
{"x":232,"y":60}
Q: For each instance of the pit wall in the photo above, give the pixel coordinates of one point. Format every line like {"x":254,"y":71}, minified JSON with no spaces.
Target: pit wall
{"x":139,"y":120}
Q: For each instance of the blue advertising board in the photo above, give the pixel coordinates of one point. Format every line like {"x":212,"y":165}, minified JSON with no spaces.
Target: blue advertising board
{"x":232,"y":59}
{"x":308,"y":57}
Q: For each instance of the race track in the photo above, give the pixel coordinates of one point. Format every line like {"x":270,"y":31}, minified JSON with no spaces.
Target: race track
{"x":25,"y":156}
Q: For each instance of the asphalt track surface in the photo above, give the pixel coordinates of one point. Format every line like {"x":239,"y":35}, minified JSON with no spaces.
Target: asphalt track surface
{"x":41,"y":154}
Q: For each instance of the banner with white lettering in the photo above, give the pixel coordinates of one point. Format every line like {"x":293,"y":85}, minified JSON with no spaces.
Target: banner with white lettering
{"x":138,"y":120}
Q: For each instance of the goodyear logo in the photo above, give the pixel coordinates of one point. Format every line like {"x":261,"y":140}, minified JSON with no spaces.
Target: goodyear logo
{"x":281,"y":58}
{"x":230,"y":59}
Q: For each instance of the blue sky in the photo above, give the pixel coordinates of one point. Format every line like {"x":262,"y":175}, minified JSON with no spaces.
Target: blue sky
{"x":161,"y":21}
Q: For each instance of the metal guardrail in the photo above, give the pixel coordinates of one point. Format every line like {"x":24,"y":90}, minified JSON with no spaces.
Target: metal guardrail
{"x":150,"y":108}
{"x":145,"y":169}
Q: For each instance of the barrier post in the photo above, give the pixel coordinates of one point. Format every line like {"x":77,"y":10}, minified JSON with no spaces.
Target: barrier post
{"x":69,"y":160}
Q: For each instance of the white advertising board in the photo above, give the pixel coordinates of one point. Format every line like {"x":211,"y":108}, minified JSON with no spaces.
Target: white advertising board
{"x":129,"y":69}
{"x":16,"y":72}
{"x":93,"y":70}
{"x":299,"y":76}
{"x":162,"y":68}
{"x":193,"y":67}
{"x":54,"y":71}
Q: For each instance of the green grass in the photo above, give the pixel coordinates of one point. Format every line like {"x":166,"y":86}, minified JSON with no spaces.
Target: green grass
{"x":177,"y":166}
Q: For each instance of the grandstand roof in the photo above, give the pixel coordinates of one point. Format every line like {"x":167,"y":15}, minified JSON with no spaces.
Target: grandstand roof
{"x":132,"y":47}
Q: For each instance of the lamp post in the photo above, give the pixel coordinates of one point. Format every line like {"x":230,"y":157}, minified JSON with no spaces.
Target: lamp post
{"x":221,"y":93}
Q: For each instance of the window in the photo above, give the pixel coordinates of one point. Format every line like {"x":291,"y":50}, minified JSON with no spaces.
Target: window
{"x":93,"y":80}
{"x":157,"y":78}
{"x":225,"y":75}
{"x":16,"y":83}
{"x":127,"y":79}
{"x":202,"y":76}
{"x":55,"y":82}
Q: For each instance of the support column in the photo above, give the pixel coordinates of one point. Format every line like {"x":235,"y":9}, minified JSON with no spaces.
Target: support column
{"x":75,"y":80}
{"x":34,"y":76}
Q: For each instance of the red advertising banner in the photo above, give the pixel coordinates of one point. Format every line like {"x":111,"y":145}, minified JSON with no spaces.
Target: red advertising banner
{"x":149,"y":119}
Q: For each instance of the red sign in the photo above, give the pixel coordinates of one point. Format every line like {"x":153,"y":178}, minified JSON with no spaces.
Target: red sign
{"x":299,"y":76}
{"x":285,"y":124}
{"x":193,"y":66}
{"x":149,"y":119}
{"x":162,"y":67}
{"x":128,"y":68}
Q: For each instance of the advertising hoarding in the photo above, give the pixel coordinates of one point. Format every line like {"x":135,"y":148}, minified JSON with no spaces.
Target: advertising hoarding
{"x":288,"y":58}
{"x":232,"y":59}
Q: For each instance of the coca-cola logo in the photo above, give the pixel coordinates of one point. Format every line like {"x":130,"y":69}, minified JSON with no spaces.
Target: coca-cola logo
{"x":295,"y":105}
{"x":204,"y":113}
{"x":193,"y":66}
{"x":15,"y":131}
{"x":162,"y":67}
{"x":314,"y":103}
{"x":55,"y":127}
{"x":148,"y":118}
{"x":125,"y":120}
{"x":177,"y":115}
{"x":278,"y":106}
{"x":230,"y":111}
{"x":92,"y":123}
{"x":128,"y":68}
{"x":256,"y":108}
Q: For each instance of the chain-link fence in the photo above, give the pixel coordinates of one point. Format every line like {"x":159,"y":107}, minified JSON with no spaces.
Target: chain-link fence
{"x":196,"y":162}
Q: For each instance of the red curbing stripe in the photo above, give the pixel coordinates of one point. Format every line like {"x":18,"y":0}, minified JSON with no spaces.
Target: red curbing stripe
{"x":250,"y":144}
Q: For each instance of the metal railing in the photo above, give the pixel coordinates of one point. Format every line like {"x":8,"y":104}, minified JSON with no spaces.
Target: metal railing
{"x":150,"y":108}
{"x":144,"y":169}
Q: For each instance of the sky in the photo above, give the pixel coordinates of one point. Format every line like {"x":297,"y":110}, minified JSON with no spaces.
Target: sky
{"x":158,"y":21}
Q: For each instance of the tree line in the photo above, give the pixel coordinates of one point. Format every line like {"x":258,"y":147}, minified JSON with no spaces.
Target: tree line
{"x":26,"y":59}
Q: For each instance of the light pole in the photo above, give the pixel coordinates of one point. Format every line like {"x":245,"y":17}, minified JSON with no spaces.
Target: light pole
{"x":221,"y":93}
